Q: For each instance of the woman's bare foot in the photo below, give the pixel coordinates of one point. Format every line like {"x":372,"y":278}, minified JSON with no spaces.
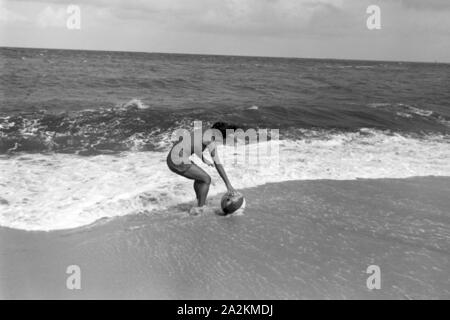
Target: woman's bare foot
{"x":195,"y":211}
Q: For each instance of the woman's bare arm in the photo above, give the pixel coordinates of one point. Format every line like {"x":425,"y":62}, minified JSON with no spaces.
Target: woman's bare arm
{"x":219,"y":167}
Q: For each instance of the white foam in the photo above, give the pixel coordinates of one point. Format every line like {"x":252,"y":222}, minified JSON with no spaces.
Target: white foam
{"x":135,"y":103}
{"x":59,"y":191}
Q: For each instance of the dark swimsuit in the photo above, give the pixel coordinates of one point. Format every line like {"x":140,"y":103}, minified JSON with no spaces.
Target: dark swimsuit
{"x":177,"y":168}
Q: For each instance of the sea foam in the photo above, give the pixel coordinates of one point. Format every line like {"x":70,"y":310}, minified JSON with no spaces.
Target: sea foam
{"x":60,"y":191}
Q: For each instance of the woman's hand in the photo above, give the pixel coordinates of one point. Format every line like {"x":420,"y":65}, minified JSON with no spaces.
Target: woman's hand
{"x":232,"y":191}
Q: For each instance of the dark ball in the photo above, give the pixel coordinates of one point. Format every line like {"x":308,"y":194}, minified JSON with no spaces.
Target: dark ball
{"x":231,"y":204}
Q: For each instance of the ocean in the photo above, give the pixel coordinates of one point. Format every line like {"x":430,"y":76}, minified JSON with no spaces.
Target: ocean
{"x":84,"y":134}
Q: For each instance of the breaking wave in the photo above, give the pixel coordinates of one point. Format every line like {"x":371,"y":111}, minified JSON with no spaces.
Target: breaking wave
{"x":60,"y":191}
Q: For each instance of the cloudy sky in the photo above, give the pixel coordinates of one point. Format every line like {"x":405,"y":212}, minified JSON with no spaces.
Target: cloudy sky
{"x":413,"y":30}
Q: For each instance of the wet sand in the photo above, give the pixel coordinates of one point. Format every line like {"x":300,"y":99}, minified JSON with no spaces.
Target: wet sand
{"x":297,"y":240}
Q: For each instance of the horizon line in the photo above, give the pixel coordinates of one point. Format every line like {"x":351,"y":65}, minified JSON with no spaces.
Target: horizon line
{"x":231,"y":55}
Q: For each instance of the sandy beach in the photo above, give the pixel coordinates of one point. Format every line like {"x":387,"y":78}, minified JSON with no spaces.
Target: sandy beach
{"x":297,"y":240}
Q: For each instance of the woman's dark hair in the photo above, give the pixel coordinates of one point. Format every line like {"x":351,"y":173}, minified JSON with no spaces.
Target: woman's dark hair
{"x":223,"y":126}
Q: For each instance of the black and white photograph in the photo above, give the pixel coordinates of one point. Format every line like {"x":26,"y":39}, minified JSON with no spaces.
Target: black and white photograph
{"x":224,"y":150}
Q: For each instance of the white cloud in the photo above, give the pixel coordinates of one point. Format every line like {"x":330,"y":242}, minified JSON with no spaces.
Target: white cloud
{"x":52,"y":17}
{"x":7,"y":15}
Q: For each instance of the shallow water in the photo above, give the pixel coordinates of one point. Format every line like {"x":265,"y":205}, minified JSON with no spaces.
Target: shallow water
{"x":59,"y":191}
{"x":296,"y":240}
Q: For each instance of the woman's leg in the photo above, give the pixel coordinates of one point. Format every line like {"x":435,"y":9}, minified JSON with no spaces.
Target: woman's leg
{"x":201,"y":183}
{"x":197,"y":189}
